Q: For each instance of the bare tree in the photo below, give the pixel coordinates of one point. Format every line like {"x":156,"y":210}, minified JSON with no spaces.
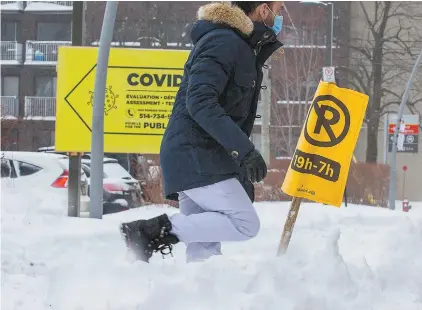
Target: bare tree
{"x":160,"y":25}
{"x":295,"y":77}
{"x":384,"y":40}
{"x":9,"y":128}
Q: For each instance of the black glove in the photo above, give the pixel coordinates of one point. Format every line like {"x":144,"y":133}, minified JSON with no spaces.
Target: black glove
{"x":255,"y":166}
{"x":247,"y":186}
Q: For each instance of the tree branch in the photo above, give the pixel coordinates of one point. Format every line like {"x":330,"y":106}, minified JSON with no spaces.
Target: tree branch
{"x":361,"y":50}
{"x":368,"y":20}
{"x":363,"y":85}
{"x":387,"y":7}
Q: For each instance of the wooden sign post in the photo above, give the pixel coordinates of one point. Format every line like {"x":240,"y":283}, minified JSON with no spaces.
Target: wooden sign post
{"x":289,"y":225}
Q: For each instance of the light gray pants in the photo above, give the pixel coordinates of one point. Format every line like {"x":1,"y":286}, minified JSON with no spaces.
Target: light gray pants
{"x":211,"y":214}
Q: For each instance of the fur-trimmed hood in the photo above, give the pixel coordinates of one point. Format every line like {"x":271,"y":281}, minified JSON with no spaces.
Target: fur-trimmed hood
{"x":223,"y":16}
{"x":221,"y":13}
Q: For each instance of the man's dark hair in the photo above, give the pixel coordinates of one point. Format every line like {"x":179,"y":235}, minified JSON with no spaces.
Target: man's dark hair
{"x":248,"y":6}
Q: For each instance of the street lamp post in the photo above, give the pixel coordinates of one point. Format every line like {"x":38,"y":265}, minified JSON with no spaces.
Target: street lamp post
{"x":329,"y":6}
{"x":97,"y":139}
{"x":329,"y":59}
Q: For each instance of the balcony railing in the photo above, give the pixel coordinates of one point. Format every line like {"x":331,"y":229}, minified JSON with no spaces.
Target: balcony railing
{"x":11,"y":52}
{"x":43,"y":52}
{"x":11,"y":5}
{"x":9,"y":106}
{"x":49,"y":6}
{"x":40,"y":108}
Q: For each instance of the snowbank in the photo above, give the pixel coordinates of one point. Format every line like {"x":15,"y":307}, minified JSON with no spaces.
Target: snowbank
{"x":349,"y":258}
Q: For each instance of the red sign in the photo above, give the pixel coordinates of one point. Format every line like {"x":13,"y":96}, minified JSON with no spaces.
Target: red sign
{"x":409,"y":129}
{"x":404,"y":168}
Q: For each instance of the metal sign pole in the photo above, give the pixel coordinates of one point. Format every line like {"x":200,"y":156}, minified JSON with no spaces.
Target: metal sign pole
{"x":74,"y":183}
{"x":404,"y":182}
{"x":97,"y":142}
{"x":330,"y":34}
{"x":392,"y":194}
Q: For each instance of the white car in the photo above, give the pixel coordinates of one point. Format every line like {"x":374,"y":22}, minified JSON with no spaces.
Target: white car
{"x":44,"y":171}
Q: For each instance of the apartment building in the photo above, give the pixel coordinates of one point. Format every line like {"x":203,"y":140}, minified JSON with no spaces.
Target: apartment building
{"x":31,"y":33}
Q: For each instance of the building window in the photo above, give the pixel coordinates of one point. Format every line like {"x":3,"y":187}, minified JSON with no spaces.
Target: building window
{"x":156,"y":33}
{"x":45,"y":86}
{"x":125,"y":33}
{"x":307,"y":90}
{"x":306,"y":35}
{"x":9,"y":31}
{"x":287,"y":138}
{"x":298,"y":91}
{"x":177,"y":33}
{"x":54,"y":31}
{"x":10,"y":85}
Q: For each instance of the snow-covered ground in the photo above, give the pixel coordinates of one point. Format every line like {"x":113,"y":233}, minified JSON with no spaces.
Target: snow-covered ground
{"x":356,"y":258}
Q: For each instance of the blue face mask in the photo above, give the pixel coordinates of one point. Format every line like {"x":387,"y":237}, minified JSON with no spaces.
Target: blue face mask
{"x":278,"y":23}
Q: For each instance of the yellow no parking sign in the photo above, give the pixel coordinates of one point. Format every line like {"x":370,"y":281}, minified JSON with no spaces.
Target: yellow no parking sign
{"x":320,"y":165}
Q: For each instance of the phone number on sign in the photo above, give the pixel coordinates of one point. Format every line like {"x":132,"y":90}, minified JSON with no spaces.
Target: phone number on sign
{"x":154,"y":115}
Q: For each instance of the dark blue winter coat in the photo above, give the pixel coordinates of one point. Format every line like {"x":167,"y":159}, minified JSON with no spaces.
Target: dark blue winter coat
{"x":215,"y":109}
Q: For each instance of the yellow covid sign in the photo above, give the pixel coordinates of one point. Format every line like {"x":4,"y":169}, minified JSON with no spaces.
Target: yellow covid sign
{"x":320,"y":165}
{"x":141,"y":89}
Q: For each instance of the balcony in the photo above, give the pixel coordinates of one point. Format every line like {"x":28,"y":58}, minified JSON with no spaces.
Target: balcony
{"x":40,"y":108}
{"x":9,"y":107}
{"x":49,"y":6}
{"x":43,"y":52}
{"x":11,"y":6}
{"x":11,"y":53}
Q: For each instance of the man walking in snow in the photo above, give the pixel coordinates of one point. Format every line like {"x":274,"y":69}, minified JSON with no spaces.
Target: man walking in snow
{"x":208,"y":162}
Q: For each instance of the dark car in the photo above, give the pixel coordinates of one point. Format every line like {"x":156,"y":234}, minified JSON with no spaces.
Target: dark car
{"x":121,"y":190}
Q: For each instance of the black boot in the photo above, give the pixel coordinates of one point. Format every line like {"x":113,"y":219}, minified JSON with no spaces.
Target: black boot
{"x":144,"y":237}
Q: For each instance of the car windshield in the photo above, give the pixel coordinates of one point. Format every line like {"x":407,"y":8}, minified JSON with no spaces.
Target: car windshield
{"x":87,"y":171}
{"x":114,"y":170}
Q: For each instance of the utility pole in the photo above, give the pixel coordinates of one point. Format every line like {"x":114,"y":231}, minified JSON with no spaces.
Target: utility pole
{"x":266,"y":114}
{"x":393,"y":163}
{"x":97,"y":142}
{"x":74,"y":184}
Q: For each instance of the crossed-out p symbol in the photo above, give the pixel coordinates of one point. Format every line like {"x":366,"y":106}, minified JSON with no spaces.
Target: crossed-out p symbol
{"x":327,"y":124}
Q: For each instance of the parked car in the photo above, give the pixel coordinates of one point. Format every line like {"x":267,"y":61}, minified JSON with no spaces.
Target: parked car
{"x":119,"y":186}
{"x":48,"y":149}
{"x":121,"y":190}
{"x":39,"y":170}
{"x":112,"y":202}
